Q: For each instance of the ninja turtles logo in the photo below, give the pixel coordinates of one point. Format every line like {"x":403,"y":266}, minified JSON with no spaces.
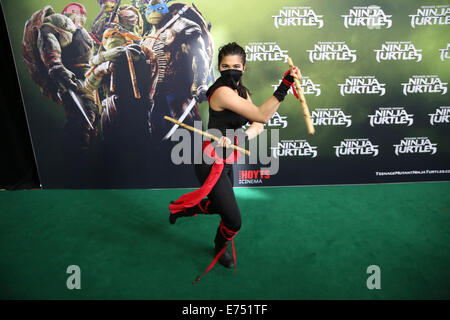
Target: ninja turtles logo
{"x":415,"y":145}
{"x":356,"y":147}
{"x":372,"y":17}
{"x":391,"y":116}
{"x":277,"y":121}
{"x":441,"y":115}
{"x":431,"y":15}
{"x":398,"y":50}
{"x":424,"y":84}
{"x":445,"y":53}
{"x":265,"y":51}
{"x":330,"y":117}
{"x":307,"y":85}
{"x":362,"y":85}
{"x":331,"y":51}
{"x":294,"y":148}
{"x":298,"y":17}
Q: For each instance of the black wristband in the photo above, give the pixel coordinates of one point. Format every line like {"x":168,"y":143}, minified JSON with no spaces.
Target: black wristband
{"x":284,"y":87}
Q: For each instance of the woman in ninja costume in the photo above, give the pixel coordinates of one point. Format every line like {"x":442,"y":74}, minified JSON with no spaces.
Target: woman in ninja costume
{"x":230,"y":107}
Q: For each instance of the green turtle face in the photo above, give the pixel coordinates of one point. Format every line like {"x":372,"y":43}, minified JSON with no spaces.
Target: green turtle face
{"x":156,"y":9}
{"x":128,"y":18}
{"x":113,"y":42}
{"x":108,"y":6}
{"x":77,"y":18}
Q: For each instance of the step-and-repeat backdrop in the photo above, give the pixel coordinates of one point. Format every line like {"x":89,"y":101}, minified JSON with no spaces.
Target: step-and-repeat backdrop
{"x":97,"y":78}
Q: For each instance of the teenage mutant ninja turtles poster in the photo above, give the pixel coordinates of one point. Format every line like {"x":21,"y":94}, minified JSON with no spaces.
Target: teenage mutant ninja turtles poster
{"x":98,"y":77}
{"x":106,"y":74}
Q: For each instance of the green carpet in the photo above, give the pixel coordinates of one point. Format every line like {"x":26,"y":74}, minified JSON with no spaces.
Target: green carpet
{"x":295,"y":243}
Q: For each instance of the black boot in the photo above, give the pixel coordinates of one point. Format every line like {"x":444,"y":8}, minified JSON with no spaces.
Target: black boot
{"x":225,"y":259}
{"x":174,"y":216}
{"x":188,"y":212}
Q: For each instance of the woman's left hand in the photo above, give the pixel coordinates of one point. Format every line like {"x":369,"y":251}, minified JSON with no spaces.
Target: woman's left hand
{"x":296,"y":71}
{"x":224,"y":142}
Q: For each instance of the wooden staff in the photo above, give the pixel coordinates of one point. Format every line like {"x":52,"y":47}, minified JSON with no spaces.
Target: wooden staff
{"x":112,"y":87}
{"x":206,"y":134}
{"x":302,"y":99}
{"x":90,"y":71}
{"x":97,"y":98}
{"x":137,"y":94}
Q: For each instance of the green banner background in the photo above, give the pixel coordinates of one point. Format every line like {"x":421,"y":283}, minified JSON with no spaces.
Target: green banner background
{"x":252,"y":22}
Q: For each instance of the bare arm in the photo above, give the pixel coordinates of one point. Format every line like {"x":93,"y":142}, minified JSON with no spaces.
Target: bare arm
{"x":226,"y":98}
{"x":255,"y":128}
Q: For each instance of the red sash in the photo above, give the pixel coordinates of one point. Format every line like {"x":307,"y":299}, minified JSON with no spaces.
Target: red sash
{"x":193,"y":198}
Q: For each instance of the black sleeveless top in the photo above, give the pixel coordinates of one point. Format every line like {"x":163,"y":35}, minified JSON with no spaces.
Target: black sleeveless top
{"x":225,"y":119}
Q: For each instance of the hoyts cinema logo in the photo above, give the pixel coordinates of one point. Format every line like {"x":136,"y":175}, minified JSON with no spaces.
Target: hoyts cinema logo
{"x":265,"y":51}
{"x":298,"y":17}
{"x":253,"y":176}
{"x":431,"y":15}
{"x":398,"y":50}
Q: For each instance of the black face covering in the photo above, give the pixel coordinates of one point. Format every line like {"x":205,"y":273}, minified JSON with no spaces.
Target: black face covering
{"x":231,"y":77}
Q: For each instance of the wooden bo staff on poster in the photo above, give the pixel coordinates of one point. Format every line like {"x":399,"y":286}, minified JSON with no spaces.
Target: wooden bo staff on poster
{"x":137,"y":94}
{"x":206,"y":134}
{"x":306,"y":114}
{"x":112,"y":87}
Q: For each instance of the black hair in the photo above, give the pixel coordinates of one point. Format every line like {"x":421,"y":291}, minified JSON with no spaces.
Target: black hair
{"x":233,"y":48}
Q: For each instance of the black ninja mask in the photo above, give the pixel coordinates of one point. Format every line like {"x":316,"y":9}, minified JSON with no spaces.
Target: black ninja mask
{"x":231,"y":77}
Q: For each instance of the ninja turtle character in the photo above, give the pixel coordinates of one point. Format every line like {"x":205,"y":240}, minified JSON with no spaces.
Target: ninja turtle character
{"x":126,"y":74}
{"x":125,"y":29}
{"x":183,"y":49}
{"x":56,"y":49}
{"x":105,"y":16}
{"x":112,"y":68}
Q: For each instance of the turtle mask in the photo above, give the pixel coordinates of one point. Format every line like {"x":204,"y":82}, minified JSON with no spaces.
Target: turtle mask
{"x":156,"y":9}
